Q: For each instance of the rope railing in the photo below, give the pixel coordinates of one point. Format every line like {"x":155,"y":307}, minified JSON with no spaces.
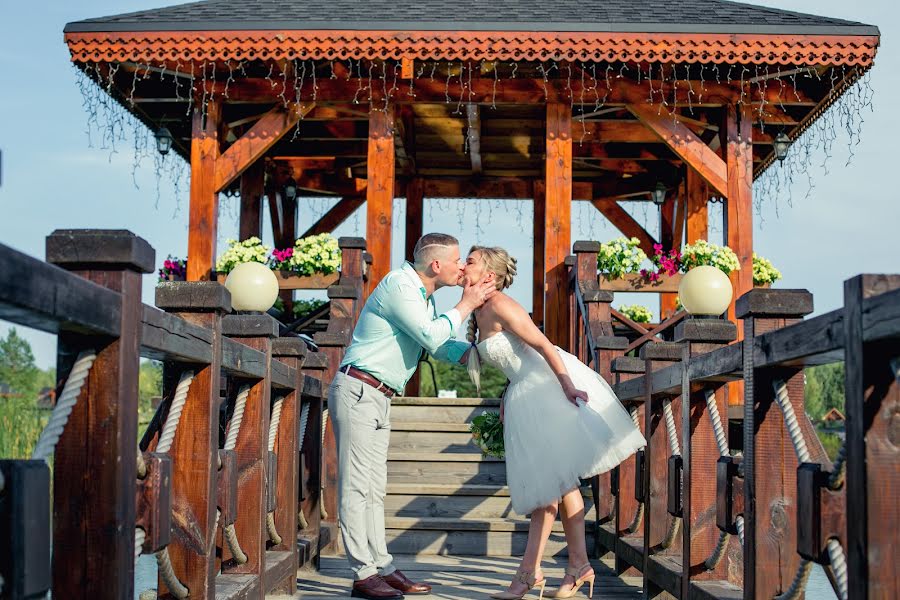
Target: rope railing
{"x":835,"y":552}
{"x":675,"y":449}
{"x":715,"y":418}
{"x":304,"y":420}
{"x":322,"y":512}
{"x":234,"y":428}
{"x":639,"y":512}
{"x":49,"y":437}
{"x":273,"y":434}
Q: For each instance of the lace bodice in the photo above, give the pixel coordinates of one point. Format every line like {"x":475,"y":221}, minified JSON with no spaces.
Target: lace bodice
{"x":510,"y":354}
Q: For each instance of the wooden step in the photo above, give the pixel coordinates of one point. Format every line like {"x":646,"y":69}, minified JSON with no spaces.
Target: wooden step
{"x":428,"y":426}
{"x":408,"y":456}
{"x":447,"y":489}
{"x":446,"y":507}
{"x":440,"y":410}
{"x":430,"y":442}
{"x":419,"y":472}
{"x":468,"y":537}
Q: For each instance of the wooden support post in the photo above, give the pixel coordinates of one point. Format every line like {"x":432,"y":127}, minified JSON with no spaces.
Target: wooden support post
{"x":739,"y":207}
{"x":94,"y":475}
{"x":873,"y":476}
{"x":667,"y":224}
{"x":697,"y":212}
{"x":539,"y":285}
{"x":700,"y":454}
{"x":380,"y":190}
{"x":204,"y":203}
{"x":558,"y":218}
{"x":770,"y":533}
{"x":291,"y":351}
{"x":625,"y":223}
{"x":414,"y":222}
{"x":656,"y":456}
{"x":252,"y":191}
{"x":257,"y":332}
{"x":195,"y":448}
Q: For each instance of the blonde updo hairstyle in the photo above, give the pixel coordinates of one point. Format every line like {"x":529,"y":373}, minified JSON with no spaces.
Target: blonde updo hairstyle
{"x":497,"y":261}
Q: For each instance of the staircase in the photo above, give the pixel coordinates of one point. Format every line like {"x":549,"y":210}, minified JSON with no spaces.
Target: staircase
{"x":443,"y":497}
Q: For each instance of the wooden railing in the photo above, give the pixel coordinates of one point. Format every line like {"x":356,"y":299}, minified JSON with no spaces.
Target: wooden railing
{"x":234,"y":515}
{"x":700,"y":513}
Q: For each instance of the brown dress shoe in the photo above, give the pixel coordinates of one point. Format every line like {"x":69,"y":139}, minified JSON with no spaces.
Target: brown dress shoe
{"x":374,"y":588}
{"x":399,"y":581}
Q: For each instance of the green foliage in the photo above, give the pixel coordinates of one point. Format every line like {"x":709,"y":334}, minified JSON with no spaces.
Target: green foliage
{"x":824,"y":389}
{"x":831,"y":442}
{"x":454,"y":377}
{"x":487,"y":433}
{"x":620,"y":256}
{"x":17,"y":368}
{"x":149,"y":386}
{"x":636,"y":312}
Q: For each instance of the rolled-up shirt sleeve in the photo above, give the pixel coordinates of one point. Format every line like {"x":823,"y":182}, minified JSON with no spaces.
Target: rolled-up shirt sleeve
{"x":406,"y":309}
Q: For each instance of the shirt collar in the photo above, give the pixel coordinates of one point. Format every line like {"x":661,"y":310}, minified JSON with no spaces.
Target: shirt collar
{"x":410,"y":272}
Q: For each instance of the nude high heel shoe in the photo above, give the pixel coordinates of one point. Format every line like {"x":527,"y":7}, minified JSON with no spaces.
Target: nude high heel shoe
{"x":526,"y":577}
{"x":580,"y":578}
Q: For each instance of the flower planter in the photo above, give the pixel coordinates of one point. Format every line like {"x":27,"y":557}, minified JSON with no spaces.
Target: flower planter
{"x":291,"y":281}
{"x":173,"y":277}
{"x":634,"y":282}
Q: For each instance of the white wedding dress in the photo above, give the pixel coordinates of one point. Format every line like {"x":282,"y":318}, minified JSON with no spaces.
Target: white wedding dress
{"x":550,"y":442}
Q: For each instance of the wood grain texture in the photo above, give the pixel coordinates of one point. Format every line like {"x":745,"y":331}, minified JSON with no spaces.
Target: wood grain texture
{"x":558,"y":218}
{"x":380,"y":191}
{"x":204,"y":203}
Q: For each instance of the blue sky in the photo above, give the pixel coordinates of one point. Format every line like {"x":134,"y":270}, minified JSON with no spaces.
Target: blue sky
{"x":53,"y":179}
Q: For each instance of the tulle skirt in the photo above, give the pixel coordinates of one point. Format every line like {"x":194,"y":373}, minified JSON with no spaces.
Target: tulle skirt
{"x":550,"y":443}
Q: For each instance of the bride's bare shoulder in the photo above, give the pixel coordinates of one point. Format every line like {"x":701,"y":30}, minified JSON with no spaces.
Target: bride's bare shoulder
{"x":505,"y":306}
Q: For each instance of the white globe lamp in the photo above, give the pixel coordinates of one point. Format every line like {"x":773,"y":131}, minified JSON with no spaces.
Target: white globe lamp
{"x":705,"y":291}
{"x":253,"y":287}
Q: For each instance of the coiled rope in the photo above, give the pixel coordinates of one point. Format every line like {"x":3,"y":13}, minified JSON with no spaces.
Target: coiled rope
{"x":49,"y":437}
{"x":273,"y":434}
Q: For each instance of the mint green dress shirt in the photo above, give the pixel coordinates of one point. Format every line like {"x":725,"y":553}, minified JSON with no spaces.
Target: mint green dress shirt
{"x":397,"y":322}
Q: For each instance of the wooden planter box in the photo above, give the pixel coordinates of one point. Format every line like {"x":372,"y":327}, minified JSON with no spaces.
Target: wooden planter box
{"x":289,"y":281}
{"x":634,"y":282}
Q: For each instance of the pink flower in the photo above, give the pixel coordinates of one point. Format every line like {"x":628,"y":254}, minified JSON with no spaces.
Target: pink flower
{"x":657,"y":248}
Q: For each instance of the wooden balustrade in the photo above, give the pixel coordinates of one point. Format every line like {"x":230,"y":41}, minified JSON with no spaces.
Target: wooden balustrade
{"x":183,"y":497}
{"x":679,"y":507}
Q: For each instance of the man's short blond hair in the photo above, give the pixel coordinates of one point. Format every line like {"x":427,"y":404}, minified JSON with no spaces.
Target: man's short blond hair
{"x":432,"y":246}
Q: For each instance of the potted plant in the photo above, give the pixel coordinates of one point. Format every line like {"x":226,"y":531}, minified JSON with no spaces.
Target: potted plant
{"x":619,"y":262}
{"x":311,"y":263}
{"x":173,"y":269}
{"x":250,"y":250}
{"x":764,"y":272}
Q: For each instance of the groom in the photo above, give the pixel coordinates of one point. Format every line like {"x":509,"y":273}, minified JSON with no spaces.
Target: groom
{"x":397,"y":322}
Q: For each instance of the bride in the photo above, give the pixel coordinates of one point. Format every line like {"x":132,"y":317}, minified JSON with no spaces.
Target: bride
{"x":562,"y":422}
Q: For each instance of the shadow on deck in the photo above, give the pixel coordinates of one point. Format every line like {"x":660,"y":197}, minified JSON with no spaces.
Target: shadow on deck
{"x":463,"y":577}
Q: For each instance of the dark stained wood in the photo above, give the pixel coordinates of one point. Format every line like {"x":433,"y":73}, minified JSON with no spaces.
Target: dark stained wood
{"x":165,"y":337}
{"x":539,"y":223}
{"x":252,"y":190}
{"x":473,"y":136}
{"x":380,"y":191}
{"x":204,"y":203}
{"x":27,"y":297}
{"x":241,"y":360}
{"x":193,"y":452}
{"x":101,"y":429}
{"x":414,"y":222}
{"x":873,"y":476}
{"x":558,"y":218}
{"x":667,"y":237}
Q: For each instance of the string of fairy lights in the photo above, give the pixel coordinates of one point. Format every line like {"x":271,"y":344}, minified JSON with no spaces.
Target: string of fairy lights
{"x":115,"y":118}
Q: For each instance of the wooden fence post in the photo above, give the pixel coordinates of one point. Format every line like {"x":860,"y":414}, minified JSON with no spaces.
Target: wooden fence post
{"x":95,"y":465}
{"x":256,"y":331}
{"x":873,"y":436}
{"x":195,"y":449}
{"x":770,"y":533}
{"x":315,"y":368}
{"x":700,"y":453}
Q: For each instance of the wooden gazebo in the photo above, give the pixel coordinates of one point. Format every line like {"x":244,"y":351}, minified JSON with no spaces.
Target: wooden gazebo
{"x":562,"y":102}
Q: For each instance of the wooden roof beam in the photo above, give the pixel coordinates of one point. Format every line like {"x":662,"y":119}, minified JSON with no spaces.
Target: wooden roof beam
{"x":336,"y":215}
{"x":624,"y":222}
{"x":686,"y":145}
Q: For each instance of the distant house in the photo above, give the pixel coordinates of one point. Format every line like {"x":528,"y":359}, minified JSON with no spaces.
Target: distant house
{"x":46,"y":398}
{"x":7,"y":392}
{"x":833,"y":417}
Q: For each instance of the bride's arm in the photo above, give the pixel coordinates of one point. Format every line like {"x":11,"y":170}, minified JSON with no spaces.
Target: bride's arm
{"x":514,"y":319}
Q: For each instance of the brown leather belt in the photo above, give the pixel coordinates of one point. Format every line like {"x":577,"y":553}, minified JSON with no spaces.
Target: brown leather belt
{"x":368,"y":379}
